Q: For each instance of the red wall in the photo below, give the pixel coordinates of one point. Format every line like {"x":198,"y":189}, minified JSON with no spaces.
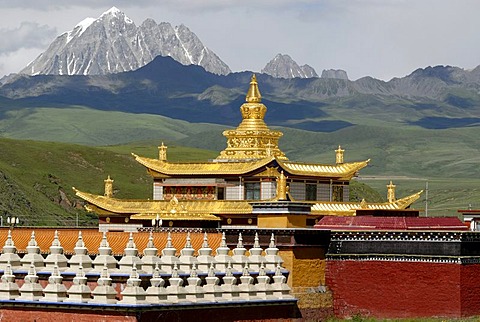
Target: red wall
{"x":470,"y":291}
{"x":394,"y":289}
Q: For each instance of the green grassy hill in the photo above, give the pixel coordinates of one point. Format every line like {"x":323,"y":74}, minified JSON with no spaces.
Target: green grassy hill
{"x":87,"y":126}
{"x":409,"y":155}
{"x":36,"y":178}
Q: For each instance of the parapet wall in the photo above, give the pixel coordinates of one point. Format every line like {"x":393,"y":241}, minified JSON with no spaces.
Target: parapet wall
{"x":404,"y":274}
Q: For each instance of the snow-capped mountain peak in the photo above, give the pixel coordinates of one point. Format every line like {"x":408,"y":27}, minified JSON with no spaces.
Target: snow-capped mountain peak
{"x":113,"y":43}
{"x":283,"y":66}
{"x":112,"y":11}
{"x":80,"y":28}
{"x":116,"y":13}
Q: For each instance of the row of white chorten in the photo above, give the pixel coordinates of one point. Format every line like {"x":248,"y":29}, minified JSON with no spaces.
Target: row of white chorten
{"x":145,"y":264}
{"x":166,"y":286}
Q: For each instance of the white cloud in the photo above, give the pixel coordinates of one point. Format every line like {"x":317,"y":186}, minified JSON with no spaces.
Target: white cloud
{"x":379,"y":38}
{"x":28,"y":35}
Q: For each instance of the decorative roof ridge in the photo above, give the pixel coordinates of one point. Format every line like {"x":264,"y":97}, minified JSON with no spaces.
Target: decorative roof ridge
{"x":84,"y":195}
{"x":351,"y":207}
{"x":325,"y":164}
{"x":230,"y":161}
{"x":344,"y":170}
{"x":405,"y":201}
{"x":208,"y":167}
{"x":408,"y":200}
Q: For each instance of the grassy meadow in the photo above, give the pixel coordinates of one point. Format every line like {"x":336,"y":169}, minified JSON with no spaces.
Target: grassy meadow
{"x":37,"y":175}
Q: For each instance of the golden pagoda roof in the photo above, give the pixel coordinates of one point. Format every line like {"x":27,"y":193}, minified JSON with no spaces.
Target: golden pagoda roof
{"x":344,"y":170}
{"x":207,"y":209}
{"x":350,"y":208}
{"x":202,"y":168}
{"x":166,"y":209}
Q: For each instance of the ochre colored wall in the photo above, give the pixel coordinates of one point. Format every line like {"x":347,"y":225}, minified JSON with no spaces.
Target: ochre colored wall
{"x":306,"y":266}
{"x":281,"y":221}
{"x":393,"y":289}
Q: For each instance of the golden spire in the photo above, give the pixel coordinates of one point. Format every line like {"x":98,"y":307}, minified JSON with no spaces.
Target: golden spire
{"x":339,"y":155}
{"x":253,"y":94}
{"x":108,"y":187}
{"x":252,"y":139}
{"x":162,"y":152}
{"x":363,"y":204}
{"x":391,"y":192}
{"x":282,"y":187}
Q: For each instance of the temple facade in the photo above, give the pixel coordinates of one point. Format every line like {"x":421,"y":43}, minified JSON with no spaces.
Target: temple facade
{"x":221,"y":192}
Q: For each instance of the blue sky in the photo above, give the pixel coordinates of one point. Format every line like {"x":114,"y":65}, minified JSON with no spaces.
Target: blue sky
{"x":378,"y":38}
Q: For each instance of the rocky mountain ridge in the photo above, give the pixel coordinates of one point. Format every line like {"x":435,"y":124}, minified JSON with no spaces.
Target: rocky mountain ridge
{"x":433,"y":97}
{"x":283,"y":66}
{"x":334,"y":73}
{"x":113,"y":43}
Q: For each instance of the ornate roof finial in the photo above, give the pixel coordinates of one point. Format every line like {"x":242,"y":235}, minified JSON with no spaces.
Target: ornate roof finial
{"x":391,"y":192}
{"x":363,"y":204}
{"x":253,"y":94}
{"x":252,"y":139}
{"x":282,"y":186}
{"x":339,"y":155}
{"x":162,"y":152}
{"x":108,"y":187}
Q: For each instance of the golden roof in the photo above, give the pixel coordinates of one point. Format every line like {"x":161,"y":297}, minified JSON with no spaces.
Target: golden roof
{"x":202,"y":168}
{"x":344,"y":170}
{"x":252,"y":139}
{"x":350,"y":208}
{"x":207,"y":209}
{"x":167,"y":209}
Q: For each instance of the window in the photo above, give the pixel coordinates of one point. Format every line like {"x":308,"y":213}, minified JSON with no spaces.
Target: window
{"x":337,"y":193}
{"x":220,"y":193}
{"x":252,"y":190}
{"x":310,"y":191}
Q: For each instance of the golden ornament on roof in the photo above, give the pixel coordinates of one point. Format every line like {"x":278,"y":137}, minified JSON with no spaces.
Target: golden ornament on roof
{"x":252,"y":139}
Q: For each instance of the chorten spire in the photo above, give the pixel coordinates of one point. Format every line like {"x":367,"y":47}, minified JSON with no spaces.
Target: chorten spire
{"x":108,"y":187}
{"x":339,"y":155}
{"x":253,"y":94}
{"x":252,"y":139}
{"x":391,"y":192}
{"x":162,"y":152}
{"x":282,"y":187}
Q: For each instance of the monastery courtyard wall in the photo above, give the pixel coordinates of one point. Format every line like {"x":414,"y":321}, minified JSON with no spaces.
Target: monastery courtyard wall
{"x":384,"y":274}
